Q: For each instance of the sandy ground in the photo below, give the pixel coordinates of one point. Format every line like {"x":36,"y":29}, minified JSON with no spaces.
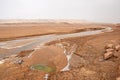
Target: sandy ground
{"x":97,"y":57}
{"x":51,"y":55}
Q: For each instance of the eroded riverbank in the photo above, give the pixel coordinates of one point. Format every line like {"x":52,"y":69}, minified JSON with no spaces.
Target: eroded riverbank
{"x":55,"y":62}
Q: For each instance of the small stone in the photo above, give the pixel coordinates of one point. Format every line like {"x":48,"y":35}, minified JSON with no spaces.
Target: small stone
{"x":117,"y":48}
{"x":109,"y":46}
{"x":109,"y":50}
{"x":118,"y":78}
{"x":116,"y":54}
{"x":18,"y":61}
{"x":108,"y":55}
{"x":2,"y":61}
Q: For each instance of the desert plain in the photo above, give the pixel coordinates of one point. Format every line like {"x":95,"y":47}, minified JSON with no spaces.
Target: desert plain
{"x":59,"y":51}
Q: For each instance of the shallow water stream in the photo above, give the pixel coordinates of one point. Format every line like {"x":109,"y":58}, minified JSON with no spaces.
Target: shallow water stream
{"x":13,"y":47}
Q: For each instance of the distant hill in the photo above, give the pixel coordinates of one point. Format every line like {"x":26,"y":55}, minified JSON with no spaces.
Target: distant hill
{"x":42,"y":21}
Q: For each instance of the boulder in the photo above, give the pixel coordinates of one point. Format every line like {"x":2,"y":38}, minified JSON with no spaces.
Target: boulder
{"x":117,"y":47}
{"x":109,"y":46}
{"x":108,"y":55}
{"x":109,"y":50}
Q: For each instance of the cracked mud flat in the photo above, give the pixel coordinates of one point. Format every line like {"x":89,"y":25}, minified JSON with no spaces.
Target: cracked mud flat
{"x":86,"y":63}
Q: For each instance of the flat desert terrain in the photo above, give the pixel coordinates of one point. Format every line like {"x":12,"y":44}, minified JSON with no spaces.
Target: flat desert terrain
{"x":17,"y":30}
{"x":59,"y":51}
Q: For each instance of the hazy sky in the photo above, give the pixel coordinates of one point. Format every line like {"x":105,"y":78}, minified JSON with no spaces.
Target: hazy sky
{"x":93,"y":10}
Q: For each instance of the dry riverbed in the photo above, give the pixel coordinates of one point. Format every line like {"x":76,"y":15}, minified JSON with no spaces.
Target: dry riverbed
{"x":88,"y":57}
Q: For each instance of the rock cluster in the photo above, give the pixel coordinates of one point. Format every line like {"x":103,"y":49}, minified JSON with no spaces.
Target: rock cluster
{"x":111,"y":50}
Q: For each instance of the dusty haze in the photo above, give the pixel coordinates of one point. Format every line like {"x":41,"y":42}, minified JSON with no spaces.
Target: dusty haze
{"x":92,"y":10}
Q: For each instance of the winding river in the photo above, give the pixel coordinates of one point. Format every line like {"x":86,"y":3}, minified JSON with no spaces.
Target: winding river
{"x":12,"y":47}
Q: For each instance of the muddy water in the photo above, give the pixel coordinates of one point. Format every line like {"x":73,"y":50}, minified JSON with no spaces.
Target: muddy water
{"x":68,"y":55}
{"x":13,"y":47}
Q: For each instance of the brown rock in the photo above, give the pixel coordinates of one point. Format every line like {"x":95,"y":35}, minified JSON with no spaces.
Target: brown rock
{"x":118,"y":78}
{"x":109,"y":46}
{"x":108,"y":55}
{"x":109,"y":50}
{"x":117,"y":48}
{"x":116,"y":54}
